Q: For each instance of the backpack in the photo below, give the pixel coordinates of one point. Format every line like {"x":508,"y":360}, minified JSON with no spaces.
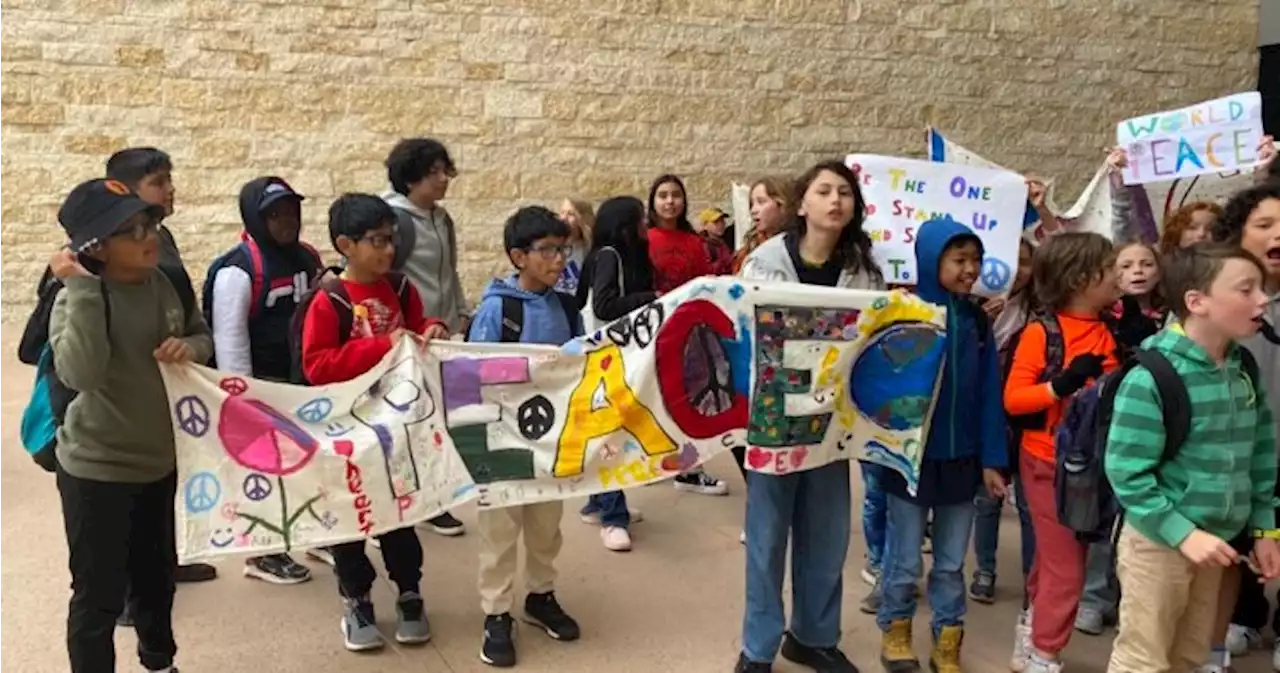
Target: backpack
{"x":1085,"y":502}
{"x":257,"y":272}
{"x":46,"y":408}
{"x":513,"y":316}
{"x":337,"y":292}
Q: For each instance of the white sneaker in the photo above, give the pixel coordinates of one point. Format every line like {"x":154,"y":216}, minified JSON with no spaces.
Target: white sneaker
{"x":1038,"y":664}
{"x":615,"y":538}
{"x":869,"y":575}
{"x":742,"y":537}
{"x":1275,"y":657}
{"x":321,"y":554}
{"x":593,"y":519}
{"x":1241,"y":639}
{"x":1021,"y":643}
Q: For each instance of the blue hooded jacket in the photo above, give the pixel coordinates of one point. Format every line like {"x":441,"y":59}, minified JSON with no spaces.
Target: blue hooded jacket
{"x":545,"y":320}
{"x":968,"y":430}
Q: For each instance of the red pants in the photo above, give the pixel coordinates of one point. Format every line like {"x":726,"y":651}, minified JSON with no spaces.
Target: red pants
{"x":1057,"y":576}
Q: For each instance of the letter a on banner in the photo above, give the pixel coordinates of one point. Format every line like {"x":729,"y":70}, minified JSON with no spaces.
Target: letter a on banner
{"x":601,"y":404}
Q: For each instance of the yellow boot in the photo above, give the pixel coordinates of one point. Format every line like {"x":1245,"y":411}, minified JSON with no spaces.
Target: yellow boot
{"x":895,"y":648}
{"x":946,"y":650}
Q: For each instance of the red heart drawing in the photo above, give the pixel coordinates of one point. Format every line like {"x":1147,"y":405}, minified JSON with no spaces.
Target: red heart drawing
{"x":758,"y":458}
{"x":605,"y":362}
{"x":797,"y":456}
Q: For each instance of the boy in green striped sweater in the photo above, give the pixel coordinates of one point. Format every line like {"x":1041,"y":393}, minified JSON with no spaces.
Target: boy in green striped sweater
{"x":1180,"y":512}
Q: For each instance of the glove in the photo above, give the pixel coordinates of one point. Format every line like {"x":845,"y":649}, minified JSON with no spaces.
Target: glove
{"x":1078,"y":373}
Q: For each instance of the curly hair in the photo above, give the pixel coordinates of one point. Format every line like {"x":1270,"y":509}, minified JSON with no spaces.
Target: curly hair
{"x":1067,"y":263}
{"x":1230,"y":226}
{"x":1177,"y":223}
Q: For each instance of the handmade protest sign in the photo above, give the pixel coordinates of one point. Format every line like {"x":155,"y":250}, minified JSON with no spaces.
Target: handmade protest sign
{"x":1211,"y":137}
{"x":802,"y":376}
{"x":902,"y":194}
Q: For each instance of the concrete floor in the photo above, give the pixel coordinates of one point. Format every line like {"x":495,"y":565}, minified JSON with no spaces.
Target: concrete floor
{"x":673,"y":604}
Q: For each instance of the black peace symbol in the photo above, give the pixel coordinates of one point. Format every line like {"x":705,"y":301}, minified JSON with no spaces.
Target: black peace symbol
{"x":535,"y":417}
{"x":257,"y":487}
{"x":647,"y":323}
{"x":619,"y":332}
{"x":995,"y":273}
{"x":193,"y":415}
{"x":704,"y":353}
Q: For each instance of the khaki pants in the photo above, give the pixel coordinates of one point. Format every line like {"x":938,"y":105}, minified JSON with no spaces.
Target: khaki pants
{"x":1167,"y":608}
{"x":500,"y":530}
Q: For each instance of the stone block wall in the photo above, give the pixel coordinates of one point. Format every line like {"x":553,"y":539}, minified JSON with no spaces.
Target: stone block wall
{"x":542,"y":99}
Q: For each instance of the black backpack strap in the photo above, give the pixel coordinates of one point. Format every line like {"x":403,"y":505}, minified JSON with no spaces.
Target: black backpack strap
{"x":1250,"y":366}
{"x":406,"y":237}
{"x":36,"y":333}
{"x":1055,"y":347}
{"x":1175,"y":403}
{"x":512,"y":319}
{"x":399,"y":283}
{"x":569,"y":304}
{"x":341,"y":301}
{"x":188,"y":299}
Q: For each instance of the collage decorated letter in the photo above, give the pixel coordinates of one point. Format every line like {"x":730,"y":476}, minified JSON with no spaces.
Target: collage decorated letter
{"x":798,"y":376}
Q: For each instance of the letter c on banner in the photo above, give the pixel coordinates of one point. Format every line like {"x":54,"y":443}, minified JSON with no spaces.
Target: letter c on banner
{"x":678,"y":335}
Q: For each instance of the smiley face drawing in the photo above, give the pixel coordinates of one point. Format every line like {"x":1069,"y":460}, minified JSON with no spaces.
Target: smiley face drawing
{"x":222,"y":537}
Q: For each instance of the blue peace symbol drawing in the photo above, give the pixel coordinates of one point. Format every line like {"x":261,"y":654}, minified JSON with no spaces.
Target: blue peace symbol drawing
{"x":192,"y":415}
{"x":995,"y":273}
{"x":256,"y":487}
{"x":201,"y":492}
{"x":316,"y":410}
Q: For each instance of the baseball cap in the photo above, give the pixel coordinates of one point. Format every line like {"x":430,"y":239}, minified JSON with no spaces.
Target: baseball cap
{"x":710,"y":215}
{"x":275,"y":190}
{"x":94,"y":210}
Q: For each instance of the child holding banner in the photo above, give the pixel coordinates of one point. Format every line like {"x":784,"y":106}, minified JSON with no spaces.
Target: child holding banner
{"x":964,"y":450}
{"x":382,"y":313}
{"x":537,"y":244}
{"x":824,"y":244}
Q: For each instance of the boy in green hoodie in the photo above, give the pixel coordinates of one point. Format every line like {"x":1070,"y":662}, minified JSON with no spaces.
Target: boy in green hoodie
{"x":1181,"y":511}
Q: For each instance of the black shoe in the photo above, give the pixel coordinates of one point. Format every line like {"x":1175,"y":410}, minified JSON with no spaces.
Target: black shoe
{"x":499,"y":648}
{"x":745,"y":665}
{"x":196,"y":572}
{"x":126,"y":617}
{"x":820,"y":659}
{"x":544,"y":612}
{"x":277,"y":569}
{"x":983,"y":589}
{"x":446,"y":525}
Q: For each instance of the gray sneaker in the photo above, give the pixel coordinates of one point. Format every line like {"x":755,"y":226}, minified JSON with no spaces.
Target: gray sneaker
{"x":871,"y":604}
{"x":412,"y":627}
{"x":360,"y":626}
{"x":1090,"y":622}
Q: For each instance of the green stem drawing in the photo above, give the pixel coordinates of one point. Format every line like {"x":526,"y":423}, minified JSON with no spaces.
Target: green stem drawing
{"x":286,"y":519}
{"x":284,"y":511}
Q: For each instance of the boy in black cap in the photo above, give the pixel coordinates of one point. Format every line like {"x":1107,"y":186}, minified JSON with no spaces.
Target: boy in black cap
{"x":250,"y":293}
{"x":117,"y":316}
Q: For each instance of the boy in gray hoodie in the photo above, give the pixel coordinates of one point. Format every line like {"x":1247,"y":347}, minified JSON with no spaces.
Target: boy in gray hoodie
{"x":117,"y":316}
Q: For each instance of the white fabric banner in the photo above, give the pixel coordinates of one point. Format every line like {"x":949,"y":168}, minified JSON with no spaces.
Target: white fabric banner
{"x":799,"y":376}
{"x":1221,"y":135}
{"x":903,"y":194}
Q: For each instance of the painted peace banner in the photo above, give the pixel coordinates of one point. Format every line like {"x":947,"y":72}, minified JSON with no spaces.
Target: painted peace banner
{"x":798,"y":376}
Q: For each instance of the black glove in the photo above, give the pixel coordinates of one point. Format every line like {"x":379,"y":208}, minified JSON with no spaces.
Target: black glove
{"x":1078,"y":373}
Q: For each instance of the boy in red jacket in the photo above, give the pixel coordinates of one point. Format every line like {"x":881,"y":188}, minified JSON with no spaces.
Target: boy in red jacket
{"x":385,"y":308}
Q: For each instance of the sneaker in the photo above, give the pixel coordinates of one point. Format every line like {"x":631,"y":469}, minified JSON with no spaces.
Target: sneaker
{"x":412,"y":627}
{"x":321,"y":554}
{"x":821,"y":659}
{"x":871,"y":603}
{"x":499,"y":647}
{"x":593,"y":518}
{"x":945,"y":657}
{"x":1090,"y":622}
{"x":1021,"y":643}
{"x":1275,"y":657}
{"x":196,"y":572}
{"x":447,"y":525}
{"x":870,"y":573}
{"x":544,"y":612}
{"x":745,"y":665}
{"x":360,"y":626}
{"x":1038,"y":664}
{"x":277,"y":569}
{"x":615,"y":538}
{"x":701,"y":483}
{"x":895,"y":648}
{"x":1241,"y":639}
{"x":742,"y":537}
{"x":983,"y":589}
{"x":1219,"y":662}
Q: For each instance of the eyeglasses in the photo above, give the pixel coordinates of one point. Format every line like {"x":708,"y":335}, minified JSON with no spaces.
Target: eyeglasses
{"x":549,"y":252}
{"x":381,"y":241}
{"x":138,"y":231}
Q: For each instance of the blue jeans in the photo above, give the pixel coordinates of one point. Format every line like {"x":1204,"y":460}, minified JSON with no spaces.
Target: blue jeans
{"x":814,"y":508}
{"x":904,"y":565}
{"x":873,"y":514}
{"x":612,"y":507}
{"x":1101,"y":588}
{"x":986,"y":530}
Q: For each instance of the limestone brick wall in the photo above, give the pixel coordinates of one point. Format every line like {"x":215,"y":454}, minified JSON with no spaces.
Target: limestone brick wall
{"x":541,"y":99}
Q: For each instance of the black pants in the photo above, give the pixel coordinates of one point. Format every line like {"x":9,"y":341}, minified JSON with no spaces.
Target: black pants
{"x":401,"y":552}
{"x":1252,"y":608}
{"x":119,"y":534}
